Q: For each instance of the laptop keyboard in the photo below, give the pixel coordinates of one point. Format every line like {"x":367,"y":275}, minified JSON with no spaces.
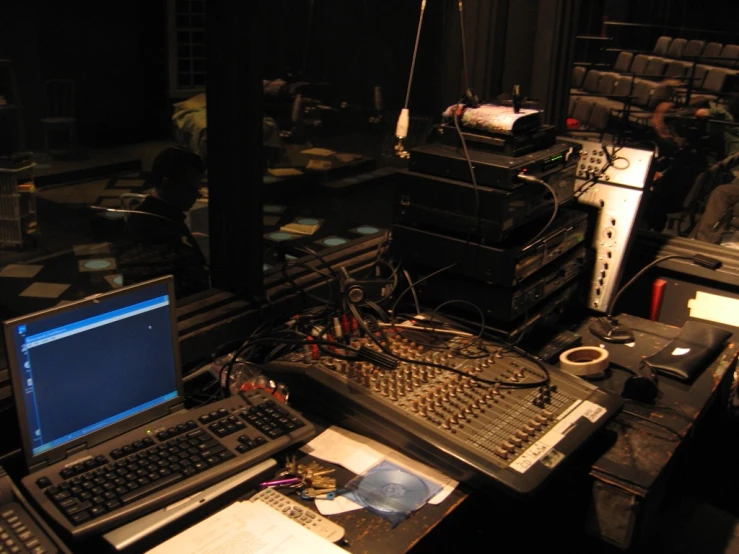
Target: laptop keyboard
{"x":211,"y":442}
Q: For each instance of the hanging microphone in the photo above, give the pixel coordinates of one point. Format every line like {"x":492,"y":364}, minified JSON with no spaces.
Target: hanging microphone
{"x":470,"y":96}
{"x":401,"y":129}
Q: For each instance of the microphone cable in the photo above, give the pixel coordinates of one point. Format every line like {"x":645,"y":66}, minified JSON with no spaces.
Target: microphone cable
{"x":401,"y":129}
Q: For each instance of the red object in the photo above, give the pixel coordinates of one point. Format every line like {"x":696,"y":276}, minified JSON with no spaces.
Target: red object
{"x":572,"y":123}
{"x":315,"y":352}
{"x":246,"y":387}
{"x":354,"y":324}
{"x":345,"y":324}
{"x":658,"y":294}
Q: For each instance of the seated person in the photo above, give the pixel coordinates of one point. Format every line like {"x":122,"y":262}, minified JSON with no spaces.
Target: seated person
{"x":730,"y":133}
{"x":157,"y":240}
{"x":683,"y":148}
{"x":721,"y":207}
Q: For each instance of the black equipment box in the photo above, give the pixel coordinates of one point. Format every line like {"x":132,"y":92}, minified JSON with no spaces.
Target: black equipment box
{"x":446,"y":205}
{"x":543,"y":136}
{"x":491,"y":169}
{"x":546,"y":314}
{"x":504,"y":304}
{"x":503,"y":265}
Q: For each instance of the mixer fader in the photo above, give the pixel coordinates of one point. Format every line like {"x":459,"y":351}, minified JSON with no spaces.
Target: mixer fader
{"x":483,"y":414}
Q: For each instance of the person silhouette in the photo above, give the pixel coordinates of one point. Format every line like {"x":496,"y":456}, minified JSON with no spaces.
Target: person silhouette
{"x":157,"y":240}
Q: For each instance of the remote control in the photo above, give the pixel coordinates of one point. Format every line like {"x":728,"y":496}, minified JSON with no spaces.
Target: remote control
{"x":305,"y":516}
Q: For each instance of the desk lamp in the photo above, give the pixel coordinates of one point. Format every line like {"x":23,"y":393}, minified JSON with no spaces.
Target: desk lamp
{"x":608,"y":329}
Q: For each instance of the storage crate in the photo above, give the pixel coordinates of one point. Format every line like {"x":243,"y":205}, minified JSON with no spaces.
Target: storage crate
{"x":17,"y":206}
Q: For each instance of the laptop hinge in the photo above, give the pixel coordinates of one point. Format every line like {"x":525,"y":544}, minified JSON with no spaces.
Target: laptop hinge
{"x":36,"y":467}
{"x":77,"y":449}
{"x":177,"y":408}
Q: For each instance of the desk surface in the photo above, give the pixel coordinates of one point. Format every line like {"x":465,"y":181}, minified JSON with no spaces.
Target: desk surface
{"x":368,"y":533}
{"x":647,"y":437}
{"x":642,"y":450}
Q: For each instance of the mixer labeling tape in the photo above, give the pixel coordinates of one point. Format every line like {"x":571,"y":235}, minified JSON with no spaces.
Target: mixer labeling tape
{"x":541,"y":448}
{"x":584,"y":361}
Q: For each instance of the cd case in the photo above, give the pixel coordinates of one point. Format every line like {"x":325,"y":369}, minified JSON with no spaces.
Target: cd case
{"x":391,"y":491}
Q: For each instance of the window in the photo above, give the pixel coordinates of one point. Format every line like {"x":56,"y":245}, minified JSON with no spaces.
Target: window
{"x":186,"y":46}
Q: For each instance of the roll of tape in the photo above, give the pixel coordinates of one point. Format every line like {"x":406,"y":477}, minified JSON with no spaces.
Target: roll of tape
{"x":584,"y":361}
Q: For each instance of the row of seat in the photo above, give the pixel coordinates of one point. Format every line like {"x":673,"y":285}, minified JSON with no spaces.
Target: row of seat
{"x":709,"y":83}
{"x":726,"y":55}
{"x":643,"y":64}
{"x":602,"y":96}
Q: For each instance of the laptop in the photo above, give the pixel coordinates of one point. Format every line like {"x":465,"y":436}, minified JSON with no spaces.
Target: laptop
{"x":105,"y":431}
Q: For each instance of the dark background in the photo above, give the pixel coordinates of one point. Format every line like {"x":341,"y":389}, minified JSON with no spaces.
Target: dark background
{"x":116,"y":53}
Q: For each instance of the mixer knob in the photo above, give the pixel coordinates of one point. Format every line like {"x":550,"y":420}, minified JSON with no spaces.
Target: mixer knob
{"x":530,"y":430}
{"x":414,"y":406}
{"x":408,"y":387}
{"x":467,"y":410}
{"x":393,"y":395}
{"x":484,"y":365}
{"x":515,"y":440}
{"x":514,"y":378}
{"x":500,"y":451}
{"x":540,"y":418}
{"x":430,"y":407}
{"x":522,"y":434}
{"x":547,"y":414}
{"x":508,"y":446}
{"x":446,"y":425}
{"x":376,"y":386}
{"x":535,"y":424}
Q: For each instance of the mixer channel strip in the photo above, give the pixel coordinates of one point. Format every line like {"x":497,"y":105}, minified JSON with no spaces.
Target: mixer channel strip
{"x":512,"y":431}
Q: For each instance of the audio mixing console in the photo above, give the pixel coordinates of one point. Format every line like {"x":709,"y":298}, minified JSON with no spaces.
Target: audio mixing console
{"x":509,"y":432}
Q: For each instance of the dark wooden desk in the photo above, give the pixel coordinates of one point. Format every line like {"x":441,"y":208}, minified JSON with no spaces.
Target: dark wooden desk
{"x":630,"y":479}
{"x":369,"y":533}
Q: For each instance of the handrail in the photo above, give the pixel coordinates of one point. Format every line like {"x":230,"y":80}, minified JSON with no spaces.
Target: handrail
{"x":666,"y":27}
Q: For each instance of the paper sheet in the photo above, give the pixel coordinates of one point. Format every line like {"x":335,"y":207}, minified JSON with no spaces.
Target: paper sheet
{"x":714,"y":307}
{"x":318,"y":152}
{"x":22,"y":271}
{"x":338,"y":505}
{"x":284,"y":172}
{"x":247,"y":528}
{"x":357,"y":454}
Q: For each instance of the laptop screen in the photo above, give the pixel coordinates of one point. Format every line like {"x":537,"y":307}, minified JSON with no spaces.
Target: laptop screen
{"x":81,"y":369}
